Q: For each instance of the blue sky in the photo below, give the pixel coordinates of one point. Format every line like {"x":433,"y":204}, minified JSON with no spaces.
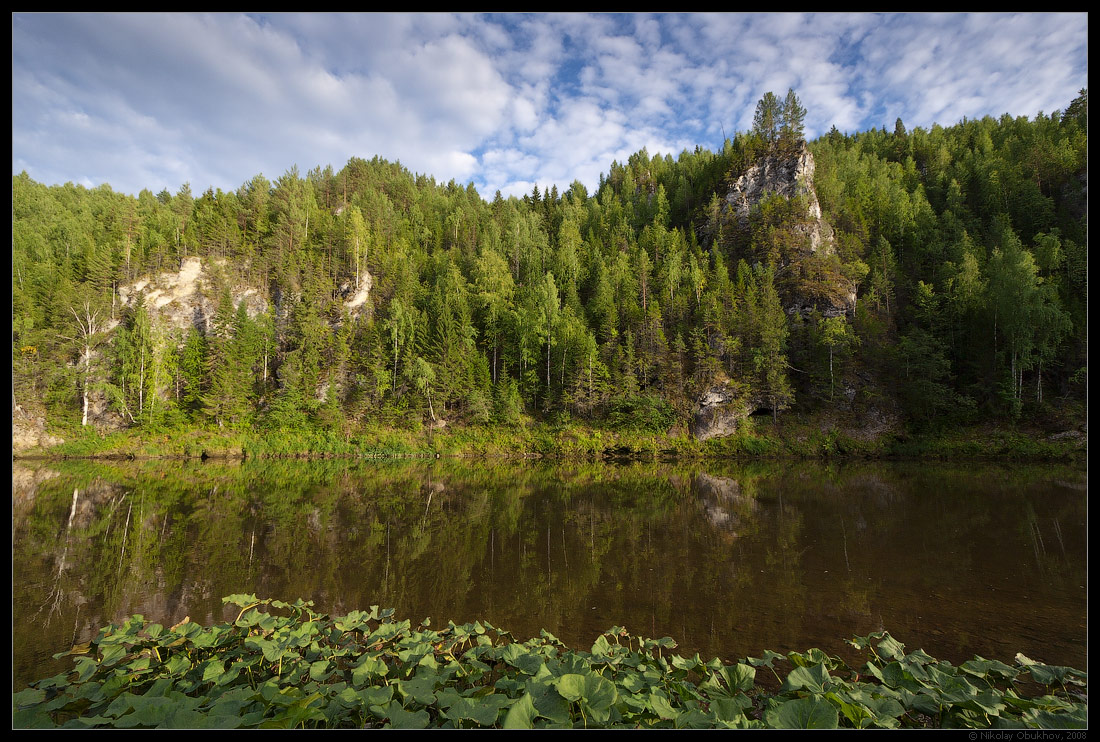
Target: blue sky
{"x":503,"y":101}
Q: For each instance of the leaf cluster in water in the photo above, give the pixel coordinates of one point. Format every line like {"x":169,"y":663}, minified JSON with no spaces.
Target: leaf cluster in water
{"x":283,"y":665}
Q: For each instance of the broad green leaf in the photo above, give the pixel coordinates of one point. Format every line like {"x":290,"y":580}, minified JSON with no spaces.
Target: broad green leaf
{"x":895,"y":675}
{"x":483,"y":711}
{"x":983,"y":668}
{"x":660,"y":706}
{"x":571,"y":686}
{"x":86,"y":722}
{"x":859,"y":715}
{"x":767,"y":660}
{"x":28,"y":697}
{"x":548,"y":637}
{"x":594,"y":691}
{"x":739,"y":677}
{"x":1051,"y":674}
{"x":891,"y":648}
{"x":694,"y":719}
{"x":953,"y":689}
{"x":632,"y":682}
{"x":884,"y":707}
{"x":732,"y":708}
{"x":241,"y":600}
{"x":1076,"y":718}
{"x":804,"y":713}
{"x":921,"y":702}
{"x":811,"y":657}
{"x":601,"y":647}
{"x":85,"y":668}
{"x":369,"y":667}
{"x":402,"y":719}
{"x":814,"y":679}
{"x":177,"y":665}
{"x":376,"y":695}
{"x":689,"y":663}
{"x":151,"y":712}
{"x":37,"y":718}
{"x":212,"y":671}
{"x":320,"y":670}
{"x":985,"y":702}
{"x":112,"y":654}
{"x":548,"y":700}
{"x":421,"y":690}
{"x":521,"y":714}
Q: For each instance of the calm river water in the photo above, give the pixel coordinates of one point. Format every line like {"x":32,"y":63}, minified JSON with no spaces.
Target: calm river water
{"x":729,"y":559}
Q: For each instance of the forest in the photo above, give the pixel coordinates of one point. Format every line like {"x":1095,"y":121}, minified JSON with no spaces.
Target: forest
{"x":963,"y":247}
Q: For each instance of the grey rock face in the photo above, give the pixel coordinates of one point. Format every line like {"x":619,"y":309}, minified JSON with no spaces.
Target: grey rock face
{"x":790,"y":176}
{"x":29,"y":431}
{"x":720,"y":410}
{"x":183,"y":299}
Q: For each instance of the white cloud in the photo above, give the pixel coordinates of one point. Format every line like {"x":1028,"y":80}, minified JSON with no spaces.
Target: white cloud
{"x":506,"y":101}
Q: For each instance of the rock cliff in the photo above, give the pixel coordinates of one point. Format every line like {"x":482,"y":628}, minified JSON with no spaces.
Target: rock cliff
{"x":789,"y":175}
{"x":798,"y":241}
{"x":183,"y":299}
{"x":721,"y":409}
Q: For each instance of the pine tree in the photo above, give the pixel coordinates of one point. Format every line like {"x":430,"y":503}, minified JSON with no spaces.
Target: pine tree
{"x":767,"y":119}
{"x":792,"y":120}
{"x":770,"y":359}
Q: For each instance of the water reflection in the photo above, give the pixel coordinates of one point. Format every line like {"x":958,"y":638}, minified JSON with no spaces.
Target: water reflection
{"x":728,"y":559}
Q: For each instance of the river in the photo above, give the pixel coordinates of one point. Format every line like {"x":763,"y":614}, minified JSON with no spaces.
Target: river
{"x":728,"y":558}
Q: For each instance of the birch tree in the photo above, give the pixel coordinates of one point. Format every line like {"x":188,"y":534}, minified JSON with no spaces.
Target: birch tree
{"x":88,"y":332}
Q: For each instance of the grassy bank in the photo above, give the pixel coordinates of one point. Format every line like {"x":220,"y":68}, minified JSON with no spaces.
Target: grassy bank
{"x":797,"y":437}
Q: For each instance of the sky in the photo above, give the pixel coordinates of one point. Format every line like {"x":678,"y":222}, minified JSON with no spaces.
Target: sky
{"x":505,"y":101}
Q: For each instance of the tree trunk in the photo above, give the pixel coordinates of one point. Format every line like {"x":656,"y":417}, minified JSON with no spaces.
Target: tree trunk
{"x":547,"y":364}
{"x":831,"y":385}
{"x":141,"y":383}
{"x":87,"y":371}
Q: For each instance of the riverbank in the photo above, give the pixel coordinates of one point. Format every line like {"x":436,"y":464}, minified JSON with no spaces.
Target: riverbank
{"x":812,"y":437}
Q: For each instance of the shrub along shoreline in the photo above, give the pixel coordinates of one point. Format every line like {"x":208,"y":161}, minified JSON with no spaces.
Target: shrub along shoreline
{"x":809,"y":439}
{"x":281,"y":665}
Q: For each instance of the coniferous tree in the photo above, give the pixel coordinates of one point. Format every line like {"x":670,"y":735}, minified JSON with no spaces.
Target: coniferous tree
{"x":767,"y":120}
{"x":793,"y":120}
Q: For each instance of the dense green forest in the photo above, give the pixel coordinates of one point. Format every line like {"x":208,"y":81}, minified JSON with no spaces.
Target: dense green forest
{"x":966,"y":246}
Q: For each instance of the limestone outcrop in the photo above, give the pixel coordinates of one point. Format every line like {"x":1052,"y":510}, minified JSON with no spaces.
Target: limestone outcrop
{"x":720,"y":410}
{"x":807,"y":270}
{"x":183,"y":299}
{"x":790,"y":176}
{"x":28,"y":431}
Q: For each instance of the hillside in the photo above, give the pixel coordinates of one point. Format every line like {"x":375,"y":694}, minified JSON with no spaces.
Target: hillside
{"x":922,"y":280}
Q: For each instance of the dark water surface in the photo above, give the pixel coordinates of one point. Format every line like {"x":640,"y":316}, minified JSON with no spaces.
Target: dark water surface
{"x":729,"y":559}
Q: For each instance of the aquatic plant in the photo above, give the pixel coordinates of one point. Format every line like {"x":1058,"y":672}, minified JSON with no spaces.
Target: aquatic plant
{"x":284,"y":665}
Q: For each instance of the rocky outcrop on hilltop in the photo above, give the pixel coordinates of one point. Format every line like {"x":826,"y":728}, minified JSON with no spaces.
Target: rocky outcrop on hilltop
{"x":790,"y":175}
{"x":799,"y":242}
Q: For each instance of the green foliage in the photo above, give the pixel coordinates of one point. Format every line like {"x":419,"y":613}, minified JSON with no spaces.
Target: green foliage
{"x":967,"y":241}
{"x":284,"y":665}
{"x":644,"y":413}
